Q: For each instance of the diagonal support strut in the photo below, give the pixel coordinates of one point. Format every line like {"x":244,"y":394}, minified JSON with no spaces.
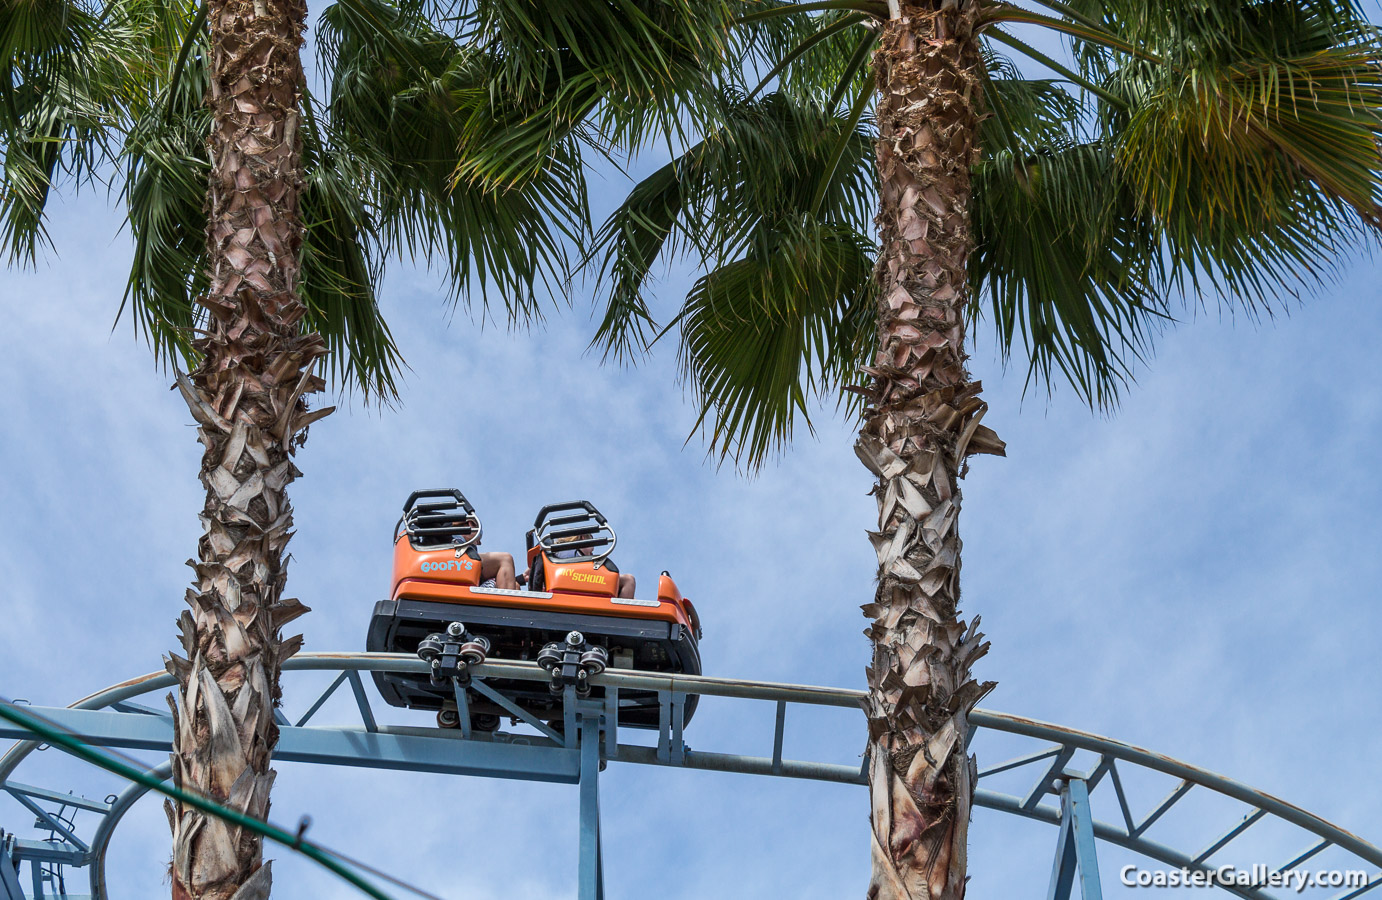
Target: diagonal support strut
{"x":1075,"y":855}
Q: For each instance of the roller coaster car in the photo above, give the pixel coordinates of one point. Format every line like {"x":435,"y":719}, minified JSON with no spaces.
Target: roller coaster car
{"x":572,"y":587}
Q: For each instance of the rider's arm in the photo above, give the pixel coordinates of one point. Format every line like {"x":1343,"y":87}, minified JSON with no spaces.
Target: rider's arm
{"x":500,"y":567}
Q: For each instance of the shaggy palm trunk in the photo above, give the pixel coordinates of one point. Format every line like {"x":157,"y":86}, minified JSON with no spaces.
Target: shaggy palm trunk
{"x":921,"y":425}
{"x":247,"y":397}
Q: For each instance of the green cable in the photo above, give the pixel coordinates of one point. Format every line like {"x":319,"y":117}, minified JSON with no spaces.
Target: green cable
{"x":76,"y":747}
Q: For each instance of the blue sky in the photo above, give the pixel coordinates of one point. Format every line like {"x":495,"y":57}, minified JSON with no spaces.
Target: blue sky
{"x":1197,"y":573}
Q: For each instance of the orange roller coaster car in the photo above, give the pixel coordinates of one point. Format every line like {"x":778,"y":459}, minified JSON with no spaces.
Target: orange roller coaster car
{"x":572,"y":586}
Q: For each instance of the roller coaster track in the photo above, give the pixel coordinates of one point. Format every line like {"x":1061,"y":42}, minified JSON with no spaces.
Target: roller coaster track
{"x":1057,"y":789}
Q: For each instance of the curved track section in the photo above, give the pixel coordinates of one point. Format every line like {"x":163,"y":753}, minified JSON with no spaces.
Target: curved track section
{"x":1052,"y":785}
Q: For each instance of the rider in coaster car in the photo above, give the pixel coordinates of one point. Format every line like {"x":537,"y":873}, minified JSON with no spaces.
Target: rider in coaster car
{"x":459,"y":530}
{"x":626,"y":582}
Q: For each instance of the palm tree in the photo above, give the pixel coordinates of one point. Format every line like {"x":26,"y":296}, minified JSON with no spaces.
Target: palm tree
{"x":1200,"y":148}
{"x":261,"y":219}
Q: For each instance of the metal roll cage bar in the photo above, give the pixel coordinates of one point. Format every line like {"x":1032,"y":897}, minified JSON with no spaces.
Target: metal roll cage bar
{"x":580,"y":514}
{"x":432,"y":518}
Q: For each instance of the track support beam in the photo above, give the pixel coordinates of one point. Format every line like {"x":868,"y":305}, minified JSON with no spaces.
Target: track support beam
{"x":592,"y":875}
{"x":1075,"y":853}
{"x":9,"y":870}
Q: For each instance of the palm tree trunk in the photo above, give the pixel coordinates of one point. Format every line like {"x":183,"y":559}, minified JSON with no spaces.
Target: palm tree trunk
{"x":247,"y":397}
{"x":921,"y":425}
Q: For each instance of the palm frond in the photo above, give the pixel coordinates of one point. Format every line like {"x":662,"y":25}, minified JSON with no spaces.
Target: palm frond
{"x":342,"y":267}
{"x":1024,"y":113}
{"x":56,"y":100}
{"x":768,"y":163}
{"x":814,"y":52}
{"x":614,"y":73}
{"x":1065,"y":265}
{"x":786,"y":322}
{"x":1178,"y":31}
{"x":630,"y":242}
{"x":1233,"y":151}
{"x":1263,"y":165}
{"x":41,"y":43}
{"x":772,"y":159}
{"x":165,"y":183}
{"x":412,"y":105}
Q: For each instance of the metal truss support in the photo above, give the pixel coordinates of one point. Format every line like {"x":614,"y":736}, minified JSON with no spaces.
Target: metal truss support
{"x":46,"y":860}
{"x":1075,"y":845}
{"x":571,"y":750}
{"x":592,"y":869}
{"x":9,"y":870}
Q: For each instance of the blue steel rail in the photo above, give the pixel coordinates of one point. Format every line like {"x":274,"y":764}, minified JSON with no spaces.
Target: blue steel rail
{"x":1058,"y":793}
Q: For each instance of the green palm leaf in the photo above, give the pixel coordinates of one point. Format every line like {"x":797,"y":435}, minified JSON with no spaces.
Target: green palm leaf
{"x":53,"y":103}
{"x":412,"y":104}
{"x":767,"y":163}
{"x":1257,"y":170}
{"x":763,"y":333}
{"x":782,"y":312}
{"x":1065,"y":265}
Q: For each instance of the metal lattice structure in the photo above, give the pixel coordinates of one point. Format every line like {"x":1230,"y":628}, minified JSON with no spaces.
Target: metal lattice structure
{"x":588,"y":735}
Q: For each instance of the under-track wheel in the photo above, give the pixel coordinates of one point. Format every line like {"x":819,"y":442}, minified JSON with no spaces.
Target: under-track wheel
{"x":474,"y":651}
